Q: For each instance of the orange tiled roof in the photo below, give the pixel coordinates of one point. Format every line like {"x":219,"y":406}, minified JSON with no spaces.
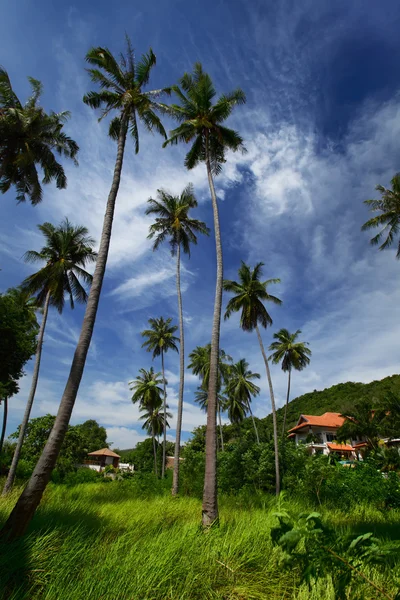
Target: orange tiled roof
{"x":104,"y":452}
{"x":341,"y":447}
{"x":328,"y":419}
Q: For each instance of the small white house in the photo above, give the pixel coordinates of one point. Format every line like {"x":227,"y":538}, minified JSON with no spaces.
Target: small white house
{"x":319,"y":434}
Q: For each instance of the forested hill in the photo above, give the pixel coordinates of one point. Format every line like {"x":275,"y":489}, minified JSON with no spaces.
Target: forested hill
{"x":336,"y":398}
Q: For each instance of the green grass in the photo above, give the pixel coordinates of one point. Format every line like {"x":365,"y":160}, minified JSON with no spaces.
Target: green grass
{"x":98,"y":541}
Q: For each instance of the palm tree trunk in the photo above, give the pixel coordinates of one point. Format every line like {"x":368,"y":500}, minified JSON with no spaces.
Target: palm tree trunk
{"x":175,"y":480}
{"x":271,"y":392}
{"x":254,"y":423}
{"x":165,"y":418}
{"x":154,"y":450}
{"x":220,"y":427}
{"x":29,"y":500}
{"x":210,"y":500}
{"x":3,"y":429}
{"x":286,"y":405}
{"x":35,"y":377}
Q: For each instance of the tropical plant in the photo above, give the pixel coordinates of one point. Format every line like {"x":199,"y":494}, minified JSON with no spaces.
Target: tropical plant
{"x":389,"y":218}
{"x":200,"y":359}
{"x":362,"y":421}
{"x":67,"y":250}
{"x":160,"y":339}
{"x":174,"y":224}
{"x":250,"y":293}
{"x":292,"y":354}
{"x":121,"y":89}
{"x":239,"y":390}
{"x":29,"y":139}
{"x":200,"y":122}
{"x":147,"y":391}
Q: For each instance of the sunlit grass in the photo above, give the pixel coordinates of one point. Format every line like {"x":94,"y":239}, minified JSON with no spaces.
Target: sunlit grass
{"x":102,"y":541}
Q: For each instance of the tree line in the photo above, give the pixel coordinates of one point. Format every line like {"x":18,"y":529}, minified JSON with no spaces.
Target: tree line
{"x":31,"y":139}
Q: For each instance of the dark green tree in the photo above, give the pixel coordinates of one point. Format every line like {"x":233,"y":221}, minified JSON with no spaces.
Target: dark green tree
{"x":250,"y":293}
{"x":200,"y":123}
{"x":29,"y":140}
{"x":292,"y":354}
{"x":389,"y":218}
{"x":66,"y":252}
{"x":239,"y":390}
{"x":173,"y":224}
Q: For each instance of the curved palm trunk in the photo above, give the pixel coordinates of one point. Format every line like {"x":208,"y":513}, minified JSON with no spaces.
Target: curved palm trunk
{"x":29,"y":500}
{"x":3,"y":429}
{"x":35,"y":377}
{"x":165,"y":418}
{"x":175,"y":480}
{"x":154,"y":450}
{"x":210,"y":500}
{"x":254,"y":423}
{"x":286,"y":405}
{"x":220,"y":427}
{"x":271,"y":392}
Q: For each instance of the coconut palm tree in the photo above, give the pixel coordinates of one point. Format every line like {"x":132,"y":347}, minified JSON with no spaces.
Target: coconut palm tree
{"x":200,"y":359}
{"x":292,"y":354}
{"x":66,"y":252}
{"x":160,"y":339}
{"x":147,"y":391}
{"x":174,"y":224}
{"x":250,"y":293}
{"x":240,"y":389}
{"x":389,"y":218}
{"x":122,"y":91}
{"x":200,"y":122}
{"x":29,"y":139}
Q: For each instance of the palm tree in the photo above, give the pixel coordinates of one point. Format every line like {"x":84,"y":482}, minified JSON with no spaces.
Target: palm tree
{"x":200,"y":359}
{"x":66,"y":252}
{"x":29,"y":138}
{"x":292,"y":354}
{"x":240,"y":389}
{"x":201,"y":123}
{"x":362,"y":421}
{"x":174,"y":224}
{"x":121,"y":90}
{"x":250,"y":292}
{"x":160,"y":339}
{"x":147,"y":391}
{"x":389,"y":217}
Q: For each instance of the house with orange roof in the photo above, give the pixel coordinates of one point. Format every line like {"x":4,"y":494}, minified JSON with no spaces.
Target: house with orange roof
{"x":319,"y":434}
{"x":99,"y":459}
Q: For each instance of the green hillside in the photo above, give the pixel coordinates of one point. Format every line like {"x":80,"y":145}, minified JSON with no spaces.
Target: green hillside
{"x":336,"y":398}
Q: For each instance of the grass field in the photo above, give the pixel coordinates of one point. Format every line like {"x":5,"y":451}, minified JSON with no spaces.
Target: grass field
{"x":97,"y":541}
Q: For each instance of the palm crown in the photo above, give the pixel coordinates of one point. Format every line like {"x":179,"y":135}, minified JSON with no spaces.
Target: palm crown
{"x":389,"y":219}
{"x":146,"y":388}
{"x":292,"y":354}
{"x":154,"y":421}
{"x":160,"y":338}
{"x":68,"y":248}
{"x":28,"y":139}
{"x":121,"y":88}
{"x":200,"y":359}
{"x":250,"y":292}
{"x":200,"y":121}
{"x":241,"y":381}
{"x":173,"y":221}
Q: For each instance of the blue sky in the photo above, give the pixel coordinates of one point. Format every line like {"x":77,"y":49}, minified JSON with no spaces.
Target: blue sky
{"x":322,"y":128}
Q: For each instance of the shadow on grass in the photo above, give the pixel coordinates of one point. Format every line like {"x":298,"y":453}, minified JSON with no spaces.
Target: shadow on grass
{"x":25,"y":568}
{"x":386,"y":531}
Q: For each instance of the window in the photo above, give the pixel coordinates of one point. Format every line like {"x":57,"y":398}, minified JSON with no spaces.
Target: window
{"x":330,"y":437}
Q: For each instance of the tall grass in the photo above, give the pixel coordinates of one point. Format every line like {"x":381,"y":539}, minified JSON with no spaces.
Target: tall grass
{"x":110,"y":542}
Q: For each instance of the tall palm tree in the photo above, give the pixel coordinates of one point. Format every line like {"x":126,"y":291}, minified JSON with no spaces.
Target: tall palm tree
{"x":389,"y":218}
{"x":122,"y":91}
{"x":201,"y":123}
{"x":174,"y":224}
{"x":200,"y":359}
{"x":147,"y":391}
{"x":160,"y":339}
{"x":66,"y":252}
{"x":240,"y":388}
{"x":29,"y":139}
{"x":292,"y":354}
{"x":250,"y":293}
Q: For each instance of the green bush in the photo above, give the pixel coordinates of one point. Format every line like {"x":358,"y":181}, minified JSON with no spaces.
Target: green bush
{"x":82,"y":475}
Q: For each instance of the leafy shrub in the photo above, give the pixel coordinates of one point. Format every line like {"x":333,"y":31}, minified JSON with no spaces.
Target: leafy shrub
{"x":82,"y":475}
